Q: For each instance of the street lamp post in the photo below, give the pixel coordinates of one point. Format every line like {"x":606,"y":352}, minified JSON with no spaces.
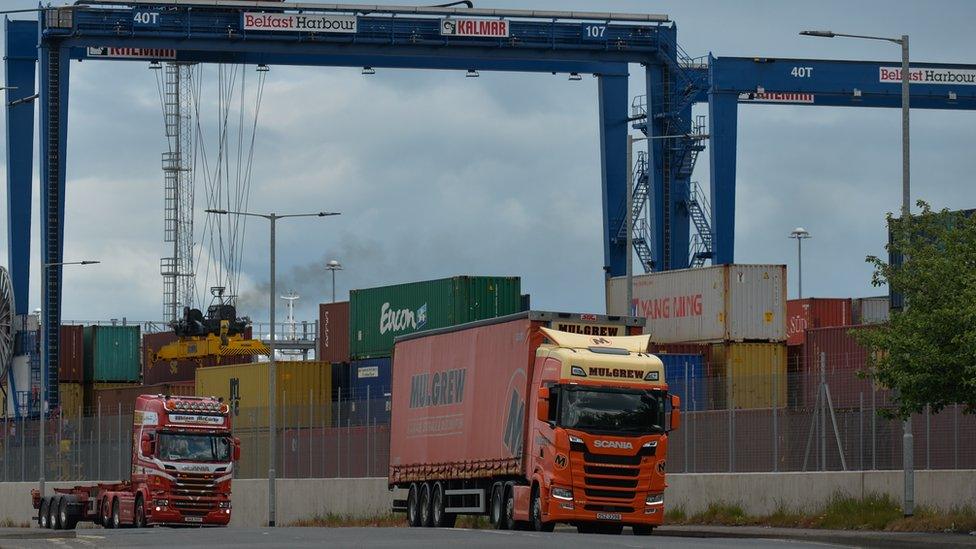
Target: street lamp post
{"x":908,"y":442}
{"x":272,"y":378}
{"x":333,"y":266}
{"x":45,"y":368}
{"x":800,"y":234}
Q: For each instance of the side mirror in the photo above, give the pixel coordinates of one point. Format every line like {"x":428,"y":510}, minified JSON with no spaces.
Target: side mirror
{"x":542,"y":407}
{"x":675,"y":412}
{"x":147,"y":445}
{"x":237,"y":449}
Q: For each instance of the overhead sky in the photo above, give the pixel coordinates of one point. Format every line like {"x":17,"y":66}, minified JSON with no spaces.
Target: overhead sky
{"x":437,"y":174}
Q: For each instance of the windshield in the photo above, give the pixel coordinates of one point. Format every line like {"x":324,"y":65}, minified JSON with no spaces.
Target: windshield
{"x":187,"y":447}
{"x":622,"y":411}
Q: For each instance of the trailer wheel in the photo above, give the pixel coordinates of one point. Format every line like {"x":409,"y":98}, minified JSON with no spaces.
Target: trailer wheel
{"x":440,"y":518}
{"x":42,"y":513}
{"x":425,"y":510}
{"x":642,"y":529}
{"x":140,"y":513}
{"x":64,"y":515}
{"x":106,"y":512}
{"x":536,"y":512}
{"x":54,"y":515}
{"x":509,"y":518}
{"x":413,"y":506}
{"x":497,"y":502}
{"x":116,"y":522}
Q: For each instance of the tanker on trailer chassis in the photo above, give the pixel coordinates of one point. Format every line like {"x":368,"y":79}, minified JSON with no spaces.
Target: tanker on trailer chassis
{"x":183,"y":456}
{"x":533,"y":420}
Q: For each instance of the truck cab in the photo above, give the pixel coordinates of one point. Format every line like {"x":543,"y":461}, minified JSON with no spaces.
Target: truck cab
{"x":598,"y":442}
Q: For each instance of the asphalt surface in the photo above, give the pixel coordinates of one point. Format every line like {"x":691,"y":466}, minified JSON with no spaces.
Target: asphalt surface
{"x":398,"y":538}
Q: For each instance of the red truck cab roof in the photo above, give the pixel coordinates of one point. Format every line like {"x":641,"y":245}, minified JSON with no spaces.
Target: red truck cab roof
{"x":182,"y":412}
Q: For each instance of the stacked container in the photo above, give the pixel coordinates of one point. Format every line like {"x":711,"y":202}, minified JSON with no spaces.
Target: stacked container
{"x":871,"y":310}
{"x":844,"y":358}
{"x":805,"y":314}
{"x":71,"y":370}
{"x":111,"y":359}
{"x":732,"y":315}
{"x":333,"y":340}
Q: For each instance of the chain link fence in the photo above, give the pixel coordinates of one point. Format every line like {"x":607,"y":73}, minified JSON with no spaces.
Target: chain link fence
{"x":815,"y":418}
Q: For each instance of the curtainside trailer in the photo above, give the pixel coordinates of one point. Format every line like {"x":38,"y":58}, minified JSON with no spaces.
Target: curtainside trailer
{"x":532,"y":419}
{"x":183,"y":458}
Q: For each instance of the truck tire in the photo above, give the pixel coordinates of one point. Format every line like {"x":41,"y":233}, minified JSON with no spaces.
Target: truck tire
{"x":535,"y":511}
{"x":413,"y":506}
{"x":508,"y":518}
{"x":438,"y":502}
{"x":497,"y":506}
{"x":642,"y":529}
{"x":139,"y":512}
{"x":54,"y":520}
{"x":64,"y":514}
{"x":115,"y":520}
{"x":425,"y":510}
{"x":106,"y":512}
{"x":42,"y":513}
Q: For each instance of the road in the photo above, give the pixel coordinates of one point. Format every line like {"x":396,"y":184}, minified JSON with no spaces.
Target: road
{"x":398,"y":538}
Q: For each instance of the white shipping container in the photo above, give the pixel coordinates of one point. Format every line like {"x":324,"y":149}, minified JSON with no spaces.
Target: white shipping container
{"x":721,"y":303}
{"x":871,"y":310}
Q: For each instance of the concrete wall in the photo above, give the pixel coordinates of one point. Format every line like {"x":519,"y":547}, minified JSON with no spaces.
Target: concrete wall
{"x":757,"y":493}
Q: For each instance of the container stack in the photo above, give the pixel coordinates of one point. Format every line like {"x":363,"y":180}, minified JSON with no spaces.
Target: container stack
{"x":111,"y":361}
{"x":733,"y":316}
{"x":71,"y":370}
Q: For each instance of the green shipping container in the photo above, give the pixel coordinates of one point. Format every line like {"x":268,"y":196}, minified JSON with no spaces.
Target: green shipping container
{"x":378,"y":315}
{"x":111,"y":353}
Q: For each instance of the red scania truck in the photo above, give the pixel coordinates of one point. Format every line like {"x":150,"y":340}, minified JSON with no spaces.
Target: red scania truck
{"x":183,"y":456}
{"x":532,"y":426}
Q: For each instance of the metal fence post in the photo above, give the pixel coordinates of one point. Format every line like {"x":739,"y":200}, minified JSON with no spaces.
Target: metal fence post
{"x":284,"y":434}
{"x":348,"y":447}
{"x":823,"y":412}
{"x":860,"y":429}
{"x":121,"y":446}
{"x":775,"y":416}
{"x":731,"y":405}
{"x":98,"y":437}
{"x":367,"y":429}
{"x":6,"y":444}
{"x":874,"y":425}
{"x":311,"y":421}
{"x":928,"y":437}
{"x":338,"y":436}
{"x":955,"y":437}
{"x":23,"y":449}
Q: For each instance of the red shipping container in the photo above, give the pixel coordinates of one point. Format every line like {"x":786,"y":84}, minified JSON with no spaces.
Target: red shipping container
{"x":71,"y":356}
{"x":333,"y":344}
{"x":805,"y":314}
{"x":844,"y":358}
{"x":177,"y":370}
{"x":112,"y":397}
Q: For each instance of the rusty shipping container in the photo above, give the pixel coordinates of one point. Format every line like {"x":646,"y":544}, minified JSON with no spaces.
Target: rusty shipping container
{"x":714,"y":304}
{"x":71,"y":355}
{"x":304,"y":392}
{"x":843,"y":359}
{"x":333,"y":343}
{"x":805,"y":314}
{"x":114,"y":398}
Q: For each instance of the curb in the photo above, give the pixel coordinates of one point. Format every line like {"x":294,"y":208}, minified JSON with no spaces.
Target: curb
{"x":872,"y":539}
{"x":35,"y":533}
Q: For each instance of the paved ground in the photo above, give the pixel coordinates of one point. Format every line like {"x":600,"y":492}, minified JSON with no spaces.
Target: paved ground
{"x":682,"y":537}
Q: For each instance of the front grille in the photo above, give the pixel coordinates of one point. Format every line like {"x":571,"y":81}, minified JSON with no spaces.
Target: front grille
{"x":611,"y":471}
{"x":193,"y":486}
{"x":613,"y":494}
{"x":190,"y":507}
{"x":612,"y":459}
{"x":194,"y":494}
{"x":609,"y":508}
{"x":611,"y":482}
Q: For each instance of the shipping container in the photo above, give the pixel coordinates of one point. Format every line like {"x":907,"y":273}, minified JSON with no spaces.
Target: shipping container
{"x":124,"y":398}
{"x":370,"y":381}
{"x":112,"y":353}
{"x":754,"y":375}
{"x":71,"y":355}
{"x":795,"y":372}
{"x":378,"y":315}
{"x":686,"y":377}
{"x":303,"y":396}
{"x":333,"y":343}
{"x":714,"y":304}
{"x":843,"y":359}
{"x":871,"y":310}
{"x":71,"y":399}
{"x":804,"y":314}
{"x":341,"y":380}
{"x":92,"y":390}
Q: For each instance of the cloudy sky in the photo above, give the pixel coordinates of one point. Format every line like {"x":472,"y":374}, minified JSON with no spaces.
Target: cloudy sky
{"x":436,"y":174}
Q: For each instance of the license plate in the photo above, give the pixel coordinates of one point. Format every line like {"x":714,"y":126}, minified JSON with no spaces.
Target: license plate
{"x":200,"y":519}
{"x":608,"y":516}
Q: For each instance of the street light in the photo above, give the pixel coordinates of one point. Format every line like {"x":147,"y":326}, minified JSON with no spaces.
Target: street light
{"x":333,"y":266}
{"x":45,"y":368}
{"x":908,"y":442}
{"x":272,"y":378}
{"x":800,"y":234}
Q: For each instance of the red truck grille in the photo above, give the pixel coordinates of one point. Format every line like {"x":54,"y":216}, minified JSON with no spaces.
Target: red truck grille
{"x":194,"y":494}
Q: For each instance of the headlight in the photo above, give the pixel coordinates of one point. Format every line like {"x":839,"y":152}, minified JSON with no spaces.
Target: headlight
{"x":575,"y":439}
{"x":577,"y":371}
{"x":654,"y":499}
{"x":651,"y":444}
{"x":162,"y":502}
{"x":225,"y":505}
{"x":562,"y":493}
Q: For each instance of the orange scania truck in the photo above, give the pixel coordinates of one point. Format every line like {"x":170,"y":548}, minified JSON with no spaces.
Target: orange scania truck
{"x":533,"y":419}
{"x":183,"y":456}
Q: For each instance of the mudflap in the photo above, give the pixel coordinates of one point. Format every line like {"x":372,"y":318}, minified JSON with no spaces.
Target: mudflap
{"x":523,"y":494}
{"x":127,"y":508}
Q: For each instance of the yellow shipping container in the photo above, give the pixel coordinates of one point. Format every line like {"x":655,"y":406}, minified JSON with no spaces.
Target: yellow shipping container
{"x":72,"y":399}
{"x":90,"y":394}
{"x":753,"y":373}
{"x":304,"y":392}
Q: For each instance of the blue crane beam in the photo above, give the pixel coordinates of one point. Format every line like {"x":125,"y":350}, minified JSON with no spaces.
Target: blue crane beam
{"x":760,"y":80}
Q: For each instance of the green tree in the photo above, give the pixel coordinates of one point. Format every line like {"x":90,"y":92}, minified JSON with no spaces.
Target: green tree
{"x":927,"y":351}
